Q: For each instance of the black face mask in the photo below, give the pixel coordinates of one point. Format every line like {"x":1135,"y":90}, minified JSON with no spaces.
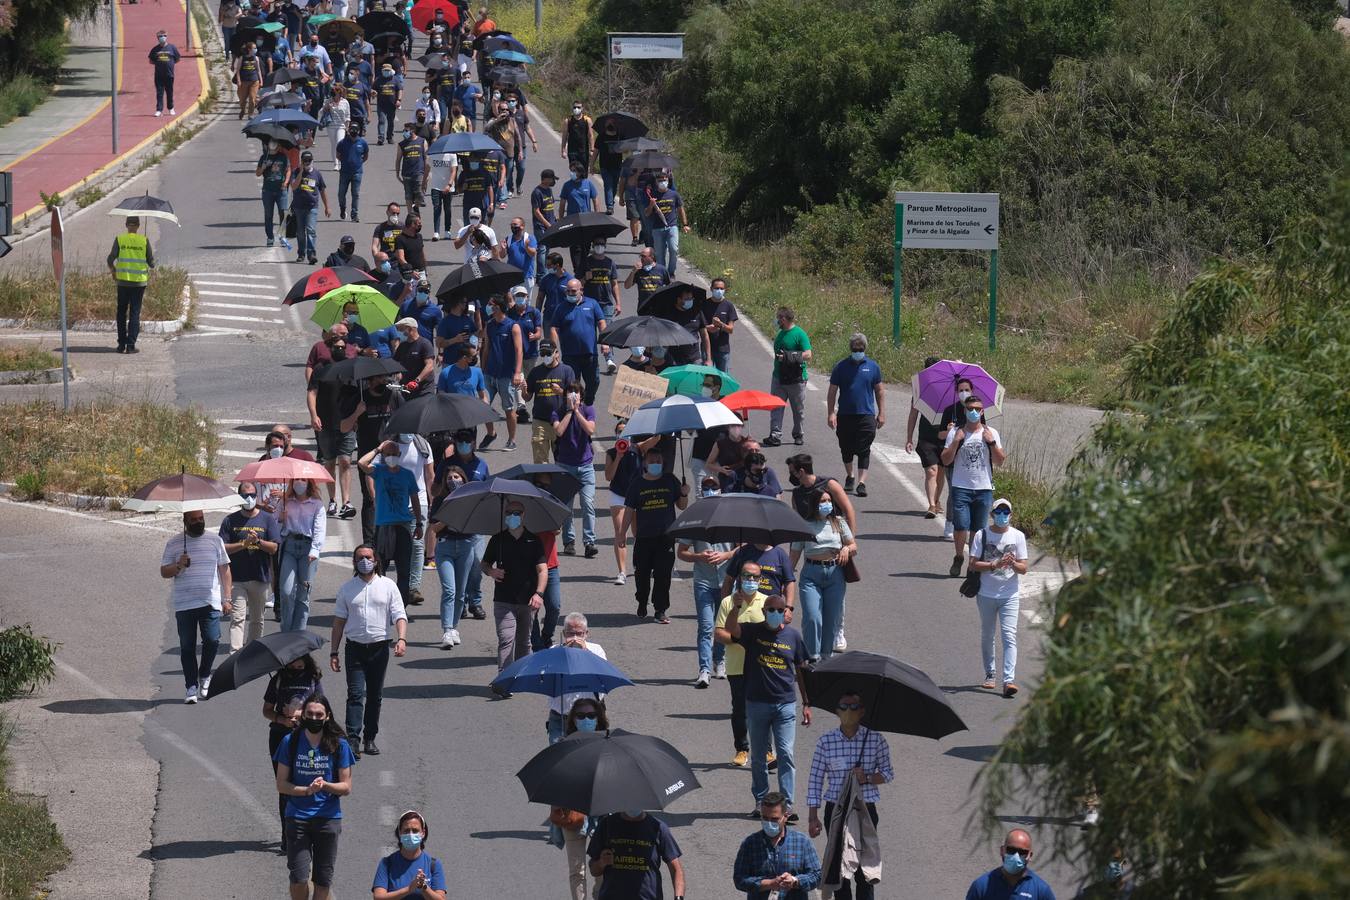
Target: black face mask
{"x":313,"y":726}
{"x":794,"y":480}
{"x":196,"y":529}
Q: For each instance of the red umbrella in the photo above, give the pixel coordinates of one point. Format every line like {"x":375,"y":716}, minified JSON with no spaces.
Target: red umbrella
{"x":184,"y":493}
{"x":321,"y":281}
{"x":425,"y":11}
{"x":283,"y":468}
{"x":745,"y":400}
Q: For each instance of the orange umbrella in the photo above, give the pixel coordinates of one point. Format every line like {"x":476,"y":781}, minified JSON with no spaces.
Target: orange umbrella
{"x":743,"y":401}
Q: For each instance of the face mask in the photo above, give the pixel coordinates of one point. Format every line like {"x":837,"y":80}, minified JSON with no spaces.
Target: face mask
{"x":586,"y":724}
{"x":972,"y":416}
{"x":794,"y":480}
{"x":393,"y":219}
{"x":826,"y":509}
{"x":463,"y":448}
{"x":1002,"y":518}
{"x":163,"y":40}
{"x":1014,"y":864}
{"x":708,"y":391}
{"x":407,"y":134}
{"x":1115,"y":870}
{"x":384,"y":267}
{"x":426,"y":94}
{"x":511,"y":103}
{"x":513,"y":520}
{"x":662,"y":185}
{"x":963,"y":396}
{"x":573,"y":298}
{"x":858,"y":355}
{"x":647,"y":267}
{"x":774,"y":617}
{"x":576,"y":111}
{"x":687,"y":304}
{"x":391,"y":462}
{"x":196,"y":529}
{"x":712,"y":492}
{"x":352,"y":318}
{"x":300,"y":488}
{"x":365,"y":565}
{"x":749,"y":585}
{"x":250,"y":502}
{"x":598,"y":249}
{"x":573,"y":397}
{"x":275,"y":452}
{"x":410,"y":841}
{"x":313,"y":726}
{"x":655,"y":468}
{"x":718,"y":293}
{"x":771,"y":828}
{"x":388,"y":73}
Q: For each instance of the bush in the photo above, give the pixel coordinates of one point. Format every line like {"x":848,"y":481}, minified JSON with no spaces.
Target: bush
{"x":26,"y":662}
{"x":20,"y":96}
{"x":90,"y":296}
{"x":30,"y":846}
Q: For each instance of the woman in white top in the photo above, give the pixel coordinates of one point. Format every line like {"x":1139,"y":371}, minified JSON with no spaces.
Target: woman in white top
{"x":433,"y":109}
{"x":304,"y":525}
{"x":999,"y":554}
{"x":338,"y":113}
{"x":822,"y":585}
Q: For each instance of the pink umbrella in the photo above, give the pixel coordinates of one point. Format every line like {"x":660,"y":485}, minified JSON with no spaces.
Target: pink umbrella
{"x":283,"y":468}
{"x":184,"y":493}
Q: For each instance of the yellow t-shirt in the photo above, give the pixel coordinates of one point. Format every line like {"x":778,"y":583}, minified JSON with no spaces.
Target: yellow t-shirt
{"x":752,"y":612}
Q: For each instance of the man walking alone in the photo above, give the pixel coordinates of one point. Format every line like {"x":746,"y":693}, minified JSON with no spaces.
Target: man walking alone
{"x":130,"y":262}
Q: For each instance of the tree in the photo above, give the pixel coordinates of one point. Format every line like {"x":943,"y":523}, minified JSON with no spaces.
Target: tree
{"x":1197,"y":675}
{"x":32,"y":35}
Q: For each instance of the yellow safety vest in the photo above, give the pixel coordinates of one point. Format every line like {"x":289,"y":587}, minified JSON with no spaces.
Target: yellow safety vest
{"x":131,"y":253}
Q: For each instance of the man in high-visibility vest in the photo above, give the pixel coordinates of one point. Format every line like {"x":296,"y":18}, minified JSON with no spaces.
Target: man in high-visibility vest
{"x":130,"y":263}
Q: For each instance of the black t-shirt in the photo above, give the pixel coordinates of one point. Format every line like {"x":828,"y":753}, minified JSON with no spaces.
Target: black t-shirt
{"x":705,"y":440}
{"x":624,"y":472}
{"x":548,"y":387}
{"x":609,"y":157}
{"x":286,"y":689}
{"x":954,"y":413}
{"x":639,"y":850}
{"x":722,"y":309}
{"x":414,"y":250}
{"x":387,"y":235}
{"x":692,"y":321}
{"x":414,"y":355}
{"x":806,"y":500}
{"x":653,"y":499}
{"x":519,"y":557}
{"x":332,"y":399}
{"x":370,"y":425}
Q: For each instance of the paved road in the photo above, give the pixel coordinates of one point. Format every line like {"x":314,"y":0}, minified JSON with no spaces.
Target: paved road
{"x":449,"y":749}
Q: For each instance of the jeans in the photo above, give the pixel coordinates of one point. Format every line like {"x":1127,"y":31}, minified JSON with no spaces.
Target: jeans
{"x":273,"y":201}
{"x":821,"y":589}
{"x":348,"y":179}
{"x":312,"y":843}
{"x":587,"y":367}
{"x":474,"y":589}
{"x":610,"y":178}
{"x":306,"y":222}
{"x":442,"y":200}
{"x":546,"y":621}
{"x":1005,"y":611}
{"x":504,"y":193}
{"x":520,"y":168}
{"x":653,"y":562}
{"x":385,"y":118}
{"x":780,"y":720}
{"x":163,"y":91}
{"x":454,"y":559}
{"x":366,"y":665}
{"x":666,"y":247}
{"x":866,"y":890}
{"x":707,"y":597}
{"x":297,"y":575}
{"x":739,"y":736}
{"x":249,"y":599}
{"x":513,"y":632}
{"x":795,"y":395}
{"x":394,"y":545}
{"x":721,"y":358}
{"x":584,"y":473}
{"x":129,"y":297}
{"x":203,"y":619}
{"x":555,"y":727}
{"x":970,"y":508}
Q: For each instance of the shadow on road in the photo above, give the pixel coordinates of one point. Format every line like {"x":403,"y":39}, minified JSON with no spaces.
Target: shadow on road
{"x":506,"y":835}
{"x":101,"y":706}
{"x":204,"y":849}
{"x":434,"y":691}
{"x":448,"y":661}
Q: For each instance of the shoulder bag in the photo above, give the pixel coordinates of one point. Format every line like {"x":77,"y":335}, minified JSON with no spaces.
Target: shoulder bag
{"x":970,"y":587}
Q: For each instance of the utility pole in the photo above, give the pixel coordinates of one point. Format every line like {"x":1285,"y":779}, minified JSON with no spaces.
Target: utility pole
{"x":112,"y":72}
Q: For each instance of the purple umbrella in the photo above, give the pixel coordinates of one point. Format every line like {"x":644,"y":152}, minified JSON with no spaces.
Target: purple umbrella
{"x":935,"y":388}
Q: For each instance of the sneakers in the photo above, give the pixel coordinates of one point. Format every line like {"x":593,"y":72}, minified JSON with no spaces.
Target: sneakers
{"x":332,"y":507}
{"x":314,"y":261}
{"x":173,"y":112}
{"x":510,"y":445}
{"x":159,"y":113}
{"x":772,"y":441}
{"x":570,"y":548}
{"x":621,"y":579}
{"x":271,"y":602}
{"x":191,"y":691}
{"x":848,"y":483}
{"x":771,"y":761}
{"x":342,"y":214}
{"x":499,"y":693}
{"x":741,"y":759}
{"x":477,"y":612}
{"x":610,"y":367}
{"x":840,"y":643}
{"x":988,"y":684}
{"x":592,"y":551}
{"x":955,"y":570}
{"x":447,"y":639}
{"x":355,"y":217}
{"x":720,"y":670}
{"x":662,"y":618}
{"x":799,"y":440}
{"x":415,"y":598}
{"x":704,"y":678}
{"x":522,"y":415}
{"x":486,"y":442}
{"x":454,"y":636}
{"x":609,"y":210}
{"x":205,"y":690}
{"x":861,"y":490}
{"x":948,"y":531}
{"x":793,"y":818}
{"x":271,"y":242}
{"x":347,"y":512}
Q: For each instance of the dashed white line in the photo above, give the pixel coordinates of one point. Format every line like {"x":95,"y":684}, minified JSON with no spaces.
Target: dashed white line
{"x":237,"y":275}
{"x":240,"y":318}
{"x":230,"y":294}
{"x":386,"y":779}
{"x":236,"y":306}
{"x":219,"y":283}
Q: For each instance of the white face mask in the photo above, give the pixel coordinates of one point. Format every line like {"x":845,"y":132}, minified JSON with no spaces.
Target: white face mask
{"x":963,"y":396}
{"x":250,"y":502}
{"x":573,"y":397}
{"x":275,"y":452}
{"x":301,"y":488}
{"x":365,"y":565}
{"x":393,"y":220}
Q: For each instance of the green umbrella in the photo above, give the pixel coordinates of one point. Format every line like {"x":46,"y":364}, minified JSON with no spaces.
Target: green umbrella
{"x":688,"y":380}
{"x":270,"y":27}
{"x":374,"y":310}
{"x":316,"y":21}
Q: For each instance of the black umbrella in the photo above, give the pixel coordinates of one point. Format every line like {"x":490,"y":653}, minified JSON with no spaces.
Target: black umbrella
{"x":145,"y":206}
{"x":600,"y":774}
{"x":579,"y":230}
{"x":640,"y":145}
{"x":479,"y":507}
{"x":264,"y":41}
{"x":739,"y":519}
{"x":626,"y":125}
{"x":381,"y":21}
{"x":509,"y":75}
{"x":246,"y":22}
{"x":561,"y":483}
{"x":477,"y":279}
{"x":359,"y":368}
{"x":285,"y":76}
{"x":662,"y":303}
{"x":650,"y":159}
{"x":899,"y":698}
{"x":387,"y":40}
{"x":433,"y":61}
{"x":282,"y":100}
{"x":439,"y":412}
{"x":277,"y":134}
{"x":647,"y":331}
{"x":260,"y":657}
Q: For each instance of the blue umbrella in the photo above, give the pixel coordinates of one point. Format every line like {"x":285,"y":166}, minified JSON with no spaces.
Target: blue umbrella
{"x":464,"y":142}
{"x":288,"y":117}
{"x":514,"y":56}
{"x":480,"y":507}
{"x":560,"y":670}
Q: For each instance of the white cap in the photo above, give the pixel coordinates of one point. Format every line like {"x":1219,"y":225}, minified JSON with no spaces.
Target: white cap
{"x":406,"y":322}
{"x":519,"y":291}
{"x":475,"y":213}
{"x":1001,"y":501}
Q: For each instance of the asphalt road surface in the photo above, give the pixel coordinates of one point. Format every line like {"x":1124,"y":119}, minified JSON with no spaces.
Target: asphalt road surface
{"x":450,"y":750}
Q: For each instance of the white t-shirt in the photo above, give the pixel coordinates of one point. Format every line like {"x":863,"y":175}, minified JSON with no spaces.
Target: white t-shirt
{"x":972,"y":467}
{"x":468,"y":245}
{"x":370,"y":609}
{"x":199,"y":583}
{"x":1001,"y":584}
{"x":443,"y":167}
{"x":563,"y":705}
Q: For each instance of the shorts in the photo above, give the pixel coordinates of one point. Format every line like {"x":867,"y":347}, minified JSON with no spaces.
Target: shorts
{"x":311,"y":850}
{"x":633,"y":207}
{"x":855,"y":434}
{"x":930,"y":454}
{"x":334,"y":444}
{"x":970,"y":508}
{"x":615,"y":499}
{"x":501,"y":385}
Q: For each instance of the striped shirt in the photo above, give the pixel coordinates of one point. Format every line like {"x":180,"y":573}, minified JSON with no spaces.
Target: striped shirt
{"x":837,"y":755}
{"x":199,"y":584}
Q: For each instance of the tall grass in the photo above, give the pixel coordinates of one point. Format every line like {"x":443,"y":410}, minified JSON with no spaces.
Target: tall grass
{"x":30,"y":846}
{"x":20,"y":96}
{"x":90,"y":296}
{"x":20,"y":358}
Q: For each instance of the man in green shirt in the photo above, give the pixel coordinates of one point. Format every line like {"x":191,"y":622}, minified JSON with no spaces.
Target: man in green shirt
{"x":791,"y":353}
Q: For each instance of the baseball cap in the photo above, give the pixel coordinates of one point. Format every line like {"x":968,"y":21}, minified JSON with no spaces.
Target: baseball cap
{"x":406,"y":322}
{"x":1002,"y":501}
{"x":346,"y":239}
{"x":546,"y":348}
{"x":519,"y":291}
{"x":475,"y":213}
{"x":548,"y":173}
{"x":306,"y":156}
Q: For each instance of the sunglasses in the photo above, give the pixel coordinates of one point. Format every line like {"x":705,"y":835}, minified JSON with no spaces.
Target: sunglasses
{"x":852,"y":707}
{"x":589,"y":715}
{"x":1024,"y":852}
{"x":247,"y":496}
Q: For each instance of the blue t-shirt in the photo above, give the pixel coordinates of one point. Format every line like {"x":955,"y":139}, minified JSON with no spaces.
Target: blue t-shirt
{"x":428,"y":316}
{"x":312,"y":762}
{"x":501,"y":357}
{"x":553,"y":288}
{"x":639,"y":850}
{"x":857,"y":386}
{"x":352,"y":153}
{"x":667,"y":207}
{"x":475,"y":468}
{"x":395,"y":872}
{"x":394,"y":490}
{"x":993,"y":886}
{"x":467,"y":381}
{"x":382,"y":340}
{"x":577,"y":196}
{"x":467,"y":94}
{"x":775,"y":567}
{"x":517,"y":255}
{"x":530,"y":321}
{"x":772,"y":658}
{"x":308,"y":183}
{"x":453,"y":324}
{"x":577,"y":325}
{"x":250,"y":565}
{"x":387,"y":89}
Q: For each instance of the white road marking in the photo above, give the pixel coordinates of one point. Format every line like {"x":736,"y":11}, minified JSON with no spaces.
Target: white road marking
{"x":388,"y":816}
{"x":239,"y":454}
{"x":229,"y":294}
{"x":205,"y":330}
{"x":386,"y":779}
{"x":236,"y":306}
{"x":236,"y":275}
{"x":240,"y":318}
{"x":218,"y":283}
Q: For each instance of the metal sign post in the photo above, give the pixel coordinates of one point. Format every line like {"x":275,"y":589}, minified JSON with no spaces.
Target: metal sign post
{"x":638,"y":45}
{"x":945,"y":221}
{"x":59,"y":269}
{"x":187,"y":22}
{"x":112,"y":72}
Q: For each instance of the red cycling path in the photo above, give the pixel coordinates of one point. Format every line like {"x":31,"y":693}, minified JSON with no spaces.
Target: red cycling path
{"x":65,"y":162}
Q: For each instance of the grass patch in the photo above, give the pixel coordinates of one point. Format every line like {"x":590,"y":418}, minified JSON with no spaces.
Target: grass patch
{"x":27,"y":359}
{"x":90,"y":296}
{"x":30,"y":846}
{"x":89,"y":196}
{"x":20,"y":96}
{"x":101,"y":449}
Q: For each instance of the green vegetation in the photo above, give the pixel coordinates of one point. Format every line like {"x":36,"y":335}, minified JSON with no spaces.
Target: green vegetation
{"x":32,"y":48}
{"x":1197,"y":673}
{"x":26,"y":358}
{"x":101,"y":449}
{"x":21,"y":95}
{"x":90,"y":296}
{"x":26,"y":662}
